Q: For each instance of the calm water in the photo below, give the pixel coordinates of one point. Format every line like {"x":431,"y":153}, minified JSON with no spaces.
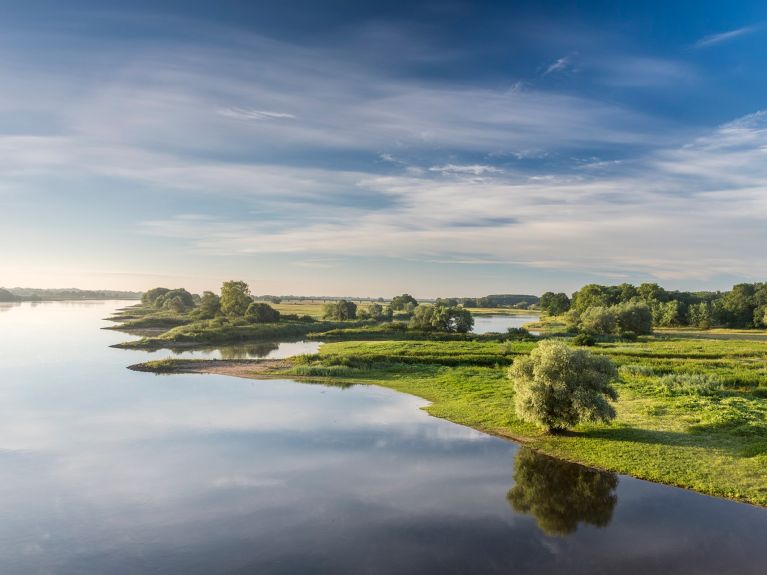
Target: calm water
{"x":108,"y":471}
{"x":500,"y":323}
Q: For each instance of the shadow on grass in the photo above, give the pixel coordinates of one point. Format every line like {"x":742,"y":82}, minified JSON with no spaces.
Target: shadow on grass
{"x":718,"y":437}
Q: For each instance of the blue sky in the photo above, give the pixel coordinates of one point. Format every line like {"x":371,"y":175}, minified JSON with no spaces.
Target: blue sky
{"x":370,"y":148}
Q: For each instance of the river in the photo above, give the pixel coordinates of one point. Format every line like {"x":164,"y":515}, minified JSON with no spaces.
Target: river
{"x":109,"y":471}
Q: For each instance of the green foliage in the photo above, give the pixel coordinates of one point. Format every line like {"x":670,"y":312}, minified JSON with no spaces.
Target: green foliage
{"x":584,"y":340}
{"x":235,"y":298}
{"x":340,"y":310}
{"x":259,"y":312}
{"x":375,"y":312}
{"x":150,"y":296}
{"x":555,"y":303}
{"x":597,"y":320}
{"x":441,"y":318}
{"x":404,"y":302}
{"x":557,"y":387}
{"x":210,"y":305}
{"x":560,"y":495}
{"x":689,"y":384}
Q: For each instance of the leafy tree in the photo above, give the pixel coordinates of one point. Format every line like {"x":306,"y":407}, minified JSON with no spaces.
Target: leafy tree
{"x":376,"y":312}
{"x":633,"y":317}
{"x":401,"y":302}
{"x":652,"y":293}
{"x":627,"y":292}
{"x":210,"y":305}
{"x":442,"y":318}
{"x":591,"y":295}
{"x":561,"y":495}
{"x":557,"y":387}
{"x":668,"y":314}
{"x":699,"y":315}
{"x":555,"y":303}
{"x":447,"y":302}
{"x":150,"y":296}
{"x":598,"y":320}
{"x":259,"y":312}
{"x":235,"y":298}
{"x":178,"y":300}
{"x":340,"y":310}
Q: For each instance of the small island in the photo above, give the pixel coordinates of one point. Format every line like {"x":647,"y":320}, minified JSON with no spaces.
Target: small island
{"x":683,"y":398}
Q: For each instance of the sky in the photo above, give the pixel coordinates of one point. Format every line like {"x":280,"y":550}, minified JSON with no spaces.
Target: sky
{"x":442,"y":148}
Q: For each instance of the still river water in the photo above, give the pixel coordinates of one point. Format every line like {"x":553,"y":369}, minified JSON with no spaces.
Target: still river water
{"x":109,"y":471}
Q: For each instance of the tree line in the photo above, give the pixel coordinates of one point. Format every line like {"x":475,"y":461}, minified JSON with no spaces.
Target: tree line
{"x":607,"y":309}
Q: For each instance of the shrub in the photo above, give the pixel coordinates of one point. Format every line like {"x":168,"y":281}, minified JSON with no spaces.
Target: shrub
{"x":598,"y":320}
{"x":557,"y":387}
{"x":441,"y":318}
{"x":259,"y":312}
{"x":628,"y":336}
{"x":340,"y":310}
{"x":584,"y":339}
{"x":643,"y":370}
{"x":689,"y":384}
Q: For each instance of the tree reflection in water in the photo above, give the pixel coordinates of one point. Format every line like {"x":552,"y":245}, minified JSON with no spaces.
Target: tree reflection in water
{"x":560,"y":495}
{"x":247,"y":351}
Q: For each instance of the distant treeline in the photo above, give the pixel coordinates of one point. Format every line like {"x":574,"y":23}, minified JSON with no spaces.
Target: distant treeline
{"x":744,"y":306}
{"x":36,"y":294}
{"x":521,"y":301}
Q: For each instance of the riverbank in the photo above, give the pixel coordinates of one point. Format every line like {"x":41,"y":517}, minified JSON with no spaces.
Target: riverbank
{"x":691,"y":413}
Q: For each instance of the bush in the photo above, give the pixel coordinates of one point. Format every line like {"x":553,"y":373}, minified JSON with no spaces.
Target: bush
{"x":259,"y":312}
{"x":557,"y":387}
{"x":441,"y":318}
{"x":340,"y":310}
{"x":628,"y":336}
{"x":643,"y":370}
{"x":584,"y":339}
{"x":598,"y":321}
{"x":689,"y":384}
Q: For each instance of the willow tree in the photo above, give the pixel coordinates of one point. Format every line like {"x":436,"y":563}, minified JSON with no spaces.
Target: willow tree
{"x":557,"y":387}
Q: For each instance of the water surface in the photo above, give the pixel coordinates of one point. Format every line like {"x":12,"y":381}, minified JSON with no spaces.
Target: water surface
{"x":501,"y":323}
{"x":108,"y":471}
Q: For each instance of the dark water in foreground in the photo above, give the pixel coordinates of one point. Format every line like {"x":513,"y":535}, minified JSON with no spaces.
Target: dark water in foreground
{"x":108,"y":471}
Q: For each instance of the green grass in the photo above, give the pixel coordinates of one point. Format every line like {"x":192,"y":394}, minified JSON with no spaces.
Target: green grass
{"x":220,"y":330}
{"x":691,"y":413}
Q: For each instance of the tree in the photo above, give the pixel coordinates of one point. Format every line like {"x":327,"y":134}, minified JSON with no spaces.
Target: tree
{"x":259,"y":312}
{"x":652,"y":293}
{"x":442,"y":318}
{"x":668,"y":314}
{"x":340,"y":310}
{"x":400,"y":302}
{"x":556,"y":387}
{"x":560,"y":494}
{"x":150,"y":296}
{"x":376,"y":312}
{"x":598,"y":320}
{"x":555,"y":303}
{"x":235,"y":298}
{"x":699,"y":315}
{"x":178,"y":300}
{"x":634,"y":317}
{"x":210,"y":305}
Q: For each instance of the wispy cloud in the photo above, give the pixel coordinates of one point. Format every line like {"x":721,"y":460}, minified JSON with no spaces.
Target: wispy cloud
{"x":562,"y":64}
{"x":248,"y":114}
{"x":472,"y":169}
{"x":723,"y":37}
